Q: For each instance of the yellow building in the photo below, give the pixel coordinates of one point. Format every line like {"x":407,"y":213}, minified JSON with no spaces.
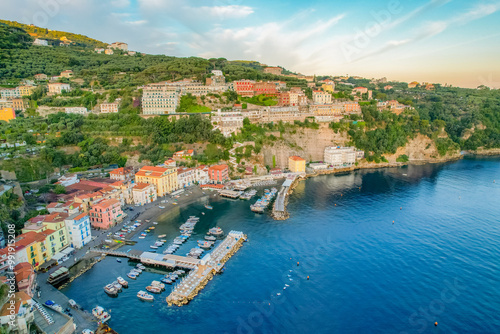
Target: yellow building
{"x":296,"y":164}
{"x":165,"y":179}
{"x":6,"y":114}
{"x":328,"y":87}
{"x":35,"y":248}
{"x":58,"y":238}
{"x":26,"y":90}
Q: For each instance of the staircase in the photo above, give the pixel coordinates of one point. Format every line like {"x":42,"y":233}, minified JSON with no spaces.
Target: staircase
{"x":44,"y":313}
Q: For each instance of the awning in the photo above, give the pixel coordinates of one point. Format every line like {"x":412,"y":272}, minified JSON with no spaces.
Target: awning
{"x":47,"y":265}
{"x":67,"y":251}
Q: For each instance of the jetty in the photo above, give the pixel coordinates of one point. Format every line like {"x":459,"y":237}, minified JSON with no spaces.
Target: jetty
{"x":208,"y":266}
{"x":230,"y":193}
{"x":279,"y":208}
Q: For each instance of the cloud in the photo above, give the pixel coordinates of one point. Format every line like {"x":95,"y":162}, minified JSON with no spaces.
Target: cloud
{"x":137,"y":23}
{"x":225,"y":12}
{"x":120,"y":3}
{"x":431,"y":29}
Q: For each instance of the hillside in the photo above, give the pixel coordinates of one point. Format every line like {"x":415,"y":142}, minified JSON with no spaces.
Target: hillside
{"x":55,"y":36}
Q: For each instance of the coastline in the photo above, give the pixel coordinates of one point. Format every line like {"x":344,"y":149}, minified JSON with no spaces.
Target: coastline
{"x":374,"y":165}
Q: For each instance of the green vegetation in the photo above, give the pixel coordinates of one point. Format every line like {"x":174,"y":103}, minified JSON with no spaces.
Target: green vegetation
{"x":402,"y":158}
{"x":260,"y":100}
{"x":188,"y":104}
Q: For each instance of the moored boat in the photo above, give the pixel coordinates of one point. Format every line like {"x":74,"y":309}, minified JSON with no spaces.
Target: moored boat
{"x":210,"y":238}
{"x":142,"y":295}
{"x":122,"y":282}
{"x":110,"y":290}
{"x":153,"y":289}
{"x":132,"y":275}
{"x":209,"y":207}
{"x":100,"y":314}
{"x":215,"y":231}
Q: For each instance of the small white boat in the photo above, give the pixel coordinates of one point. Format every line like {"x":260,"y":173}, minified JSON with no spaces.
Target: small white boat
{"x":145,"y":296}
{"x":153,"y":246}
{"x":162,"y":236}
{"x":122,"y":282}
{"x":153,"y":289}
{"x":100,"y":314}
{"x":132,"y":275}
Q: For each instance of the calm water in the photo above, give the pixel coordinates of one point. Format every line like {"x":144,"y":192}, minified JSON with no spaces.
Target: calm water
{"x":439,"y":261}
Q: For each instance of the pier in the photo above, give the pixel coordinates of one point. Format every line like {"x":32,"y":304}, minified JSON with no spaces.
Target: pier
{"x":208,"y":266}
{"x":230,"y":193}
{"x":279,"y":207}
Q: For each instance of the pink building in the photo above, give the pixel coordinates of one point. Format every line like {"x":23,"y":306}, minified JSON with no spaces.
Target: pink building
{"x":105,"y":214}
{"x":218,"y":173}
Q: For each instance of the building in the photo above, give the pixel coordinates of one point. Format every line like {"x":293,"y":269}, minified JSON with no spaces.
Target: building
{"x":10,"y":93}
{"x":99,"y":50}
{"x":413,"y":84}
{"x":122,"y":174}
{"x":76,"y":110}
{"x":118,"y":45}
{"x":184,"y":154}
{"x":360,"y":90}
{"x":58,"y":88}
{"x":25,"y":278}
{"x":78,"y":229}
{"x":320,"y":97}
{"x":108,"y":108}
{"x":284,"y":99}
{"x":18,"y":313}
{"x":41,"y":42}
{"x":273,"y":70}
{"x":388,"y":87}
{"x":186,"y":177}
{"x":264,"y":88}
{"x":201,"y":174}
{"x":19,"y":104}
{"x":41,"y":77}
{"x":160,"y":98}
{"x":4,"y":103}
{"x":144,"y":193}
{"x":7,"y":114}
{"x":227,"y":122}
{"x":106,"y":214}
{"x":217,"y":79}
{"x":25,"y":90}
{"x":244,"y":87}
{"x":68,"y":179}
{"x":165,"y":179}
{"x":393,"y":105}
{"x":218,"y":173}
{"x":66,"y":74}
{"x":338,"y":156}
{"x":296,"y":164}
{"x":328,"y":85}
{"x":35,"y":248}
{"x":108,"y":52}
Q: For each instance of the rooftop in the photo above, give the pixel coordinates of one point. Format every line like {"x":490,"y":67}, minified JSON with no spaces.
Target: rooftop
{"x":296,"y":158}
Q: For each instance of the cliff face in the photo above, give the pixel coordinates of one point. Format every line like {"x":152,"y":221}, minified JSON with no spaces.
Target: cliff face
{"x":310,"y":145}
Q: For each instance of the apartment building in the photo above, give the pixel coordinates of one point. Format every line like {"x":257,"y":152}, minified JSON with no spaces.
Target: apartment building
{"x":58,"y":87}
{"x":320,"y":97}
{"x":218,"y":174}
{"x":106,"y":214}
{"x":78,"y":228}
{"x":165,"y":179}
{"x":227,"y":122}
{"x":338,"y":156}
{"x":144,"y":193}
{"x":109,"y":108}
{"x":160,"y":98}
{"x":296,"y":164}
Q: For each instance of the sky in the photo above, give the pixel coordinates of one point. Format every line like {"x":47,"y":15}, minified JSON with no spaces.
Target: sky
{"x":453,"y":42}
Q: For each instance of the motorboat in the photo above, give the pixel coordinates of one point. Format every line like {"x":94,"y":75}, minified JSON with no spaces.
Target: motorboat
{"x":122,"y":282}
{"x":117,"y":286}
{"x":153,"y":289}
{"x":139,"y":270}
{"x":140,"y":266}
{"x":100,"y":314}
{"x":205,"y":244}
{"x":166,"y":280}
{"x":153,"y":246}
{"x":162,"y":236}
{"x":132,"y":275}
{"x":209,"y":207}
{"x":142,"y":295}
{"x":158,"y":285}
{"x":210,"y":238}
{"x":215,"y":231}
{"x":110,"y":290}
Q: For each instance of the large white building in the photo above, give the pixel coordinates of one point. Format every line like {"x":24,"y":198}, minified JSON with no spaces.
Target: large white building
{"x":144,"y":193}
{"x":58,"y":87}
{"x":320,"y":97}
{"x":201,"y":175}
{"x":338,"y":156}
{"x":227,"y":122}
{"x":160,"y":98}
{"x":118,"y":45}
{"x":78,"y":228}
{"x":186,"y":177}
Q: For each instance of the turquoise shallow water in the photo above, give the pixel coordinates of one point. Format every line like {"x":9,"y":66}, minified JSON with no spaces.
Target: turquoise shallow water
{"x":439,"y":261}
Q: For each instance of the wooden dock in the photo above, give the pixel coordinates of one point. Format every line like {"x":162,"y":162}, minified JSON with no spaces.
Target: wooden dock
{"x":209,"y":265}
{"x":230,"y":193}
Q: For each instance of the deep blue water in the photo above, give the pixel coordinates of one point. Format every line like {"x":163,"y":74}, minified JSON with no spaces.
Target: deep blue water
{"x":439,"y":261}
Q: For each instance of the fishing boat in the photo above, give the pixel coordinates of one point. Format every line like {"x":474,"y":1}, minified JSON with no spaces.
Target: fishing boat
{"x":117,"y":286}
{"x":205,"y":244}
{"x":122,"y":282}
{"x":166,"y":280}
{"x":158,"y":284}
{"x":153,"y":289}
{"x":215,"y":231}
{"x":110,"y":290}
{"x":132,"y":275}
{"x":210,"y":238}
{"x":153,"y":246}
{"x":119,"y":260}
{"x":100,"y":314}
{"x":140,"y":266}
{"x":209,"y":207}
{"x":162,"y":236}
{"x":142,"y":295}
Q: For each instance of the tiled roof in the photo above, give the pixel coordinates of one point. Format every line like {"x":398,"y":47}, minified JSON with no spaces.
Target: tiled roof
{"x":296,"y":158}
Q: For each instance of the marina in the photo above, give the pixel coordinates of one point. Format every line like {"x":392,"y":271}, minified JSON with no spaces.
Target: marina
{"x":261,"y":204}
{"x":210,"y":265}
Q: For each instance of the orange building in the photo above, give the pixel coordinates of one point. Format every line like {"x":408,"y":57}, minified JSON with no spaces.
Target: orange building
{"x":218,"y":173}
{"x":165,"y":179}
{"x":6,"y":114}
{"x":296,"y":164}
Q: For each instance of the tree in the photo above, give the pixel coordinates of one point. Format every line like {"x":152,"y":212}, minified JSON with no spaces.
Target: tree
{"x":60,"y":189}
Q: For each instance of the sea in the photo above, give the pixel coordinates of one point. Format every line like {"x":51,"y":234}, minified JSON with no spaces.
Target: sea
{"x":392,"y":250}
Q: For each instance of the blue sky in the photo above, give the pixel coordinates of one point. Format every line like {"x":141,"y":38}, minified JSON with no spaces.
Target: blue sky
{"x":445,"y":41}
